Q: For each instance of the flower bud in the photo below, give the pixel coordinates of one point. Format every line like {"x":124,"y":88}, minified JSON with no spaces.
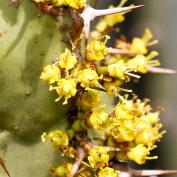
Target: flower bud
{"x":98,"y":157}
{"x":88,"y":78}
{"x":67,"y":60}
{"x":107,"y":172}
{"x":51,"y":73}
{"x":99,"y":118}
{"x":96,"y":50}
{"x":58,"y":139}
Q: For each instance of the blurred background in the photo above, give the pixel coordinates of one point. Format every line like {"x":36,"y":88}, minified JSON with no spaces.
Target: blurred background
{"x":161,"y":17}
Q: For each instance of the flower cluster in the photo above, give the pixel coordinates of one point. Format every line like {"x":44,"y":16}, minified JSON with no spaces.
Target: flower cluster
{"x":134,"y":123}
{"x":58,"y":76}
{"x":127,"y":133}
{"x":67,"y":74}
{"x":75,"y":4}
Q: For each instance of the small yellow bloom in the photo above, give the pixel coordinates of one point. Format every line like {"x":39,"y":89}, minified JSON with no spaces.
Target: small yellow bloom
{"x":113,"y":88}
{"x":149,"y":136}
{"x":123,"y":133}
{"x":118,"y":70}
{"x":139,"y":154}
{"x":141,"y":63}
{"x":96,"y":50}
{"x":65,"y":88}
{"x":51,"y":73}
{"x":153,"y":117}
{"x":76,"y":4}
{"x":140,"y":45}
{"x":98,"y":157}
{"x":99,"y":118}
{"x":58,"y":138}
{"x":62,"y":170}
{"x":38,"y":1}
{"x":90,"y":99}
{"x":107,"y":172}
{"x":124,"y":109}
{"x":88,"y":78}
{"x":67,"y":60}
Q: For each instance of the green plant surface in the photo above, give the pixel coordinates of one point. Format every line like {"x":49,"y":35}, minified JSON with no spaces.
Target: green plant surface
{"x":24,"y":159}
{"x":27,"y":43}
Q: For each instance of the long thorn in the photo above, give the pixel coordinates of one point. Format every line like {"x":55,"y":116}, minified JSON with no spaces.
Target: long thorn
{"x":113,"y":149}
{"x":90,"y":14}
{"x":77,"y":163}
{"x":152,"y":172}
{"x":120,"y":51}
{"x":98,"y":13}
{"x":158,"y":70}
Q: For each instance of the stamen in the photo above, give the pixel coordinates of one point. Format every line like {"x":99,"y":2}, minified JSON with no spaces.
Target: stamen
{"x":126,"y":90}
{"x":133,"y":75}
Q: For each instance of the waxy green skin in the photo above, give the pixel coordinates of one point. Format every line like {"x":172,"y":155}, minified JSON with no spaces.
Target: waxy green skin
{"x":29,"y":41}
{"x":28,"y":44}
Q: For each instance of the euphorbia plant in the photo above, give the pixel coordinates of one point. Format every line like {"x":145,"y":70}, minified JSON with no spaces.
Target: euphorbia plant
{"x":98,"y":141}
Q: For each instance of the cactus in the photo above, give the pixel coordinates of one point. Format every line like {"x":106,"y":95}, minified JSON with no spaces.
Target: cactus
{"x":30,"y":40}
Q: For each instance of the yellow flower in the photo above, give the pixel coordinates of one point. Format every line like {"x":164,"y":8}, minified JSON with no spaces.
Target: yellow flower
{"x":113,"y":88}
{"x":62,"y":170}
{"x":124,"y":109}
{"x":153,"y":117}
{"x":107,"y":172}
{"x":98,"y":157}
{"x":65,"y":88}
{"x":51,"y":73}
{"x":96,"y":50}
{"x":76,"y":4}
{"x":140,"y":45}
{"x":141,"y":63}
{"x":38,"y":1}
{"x":90,"y":99}
{"x":58,"y":138}
{"x":118,"y":70}
{"x":99,"y":118}
{"x":149,"y":136}
{"x":67,"y":60}
{"x":88,"y":78}
{"x":123,"y":132}
{"x":139,"y":154}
